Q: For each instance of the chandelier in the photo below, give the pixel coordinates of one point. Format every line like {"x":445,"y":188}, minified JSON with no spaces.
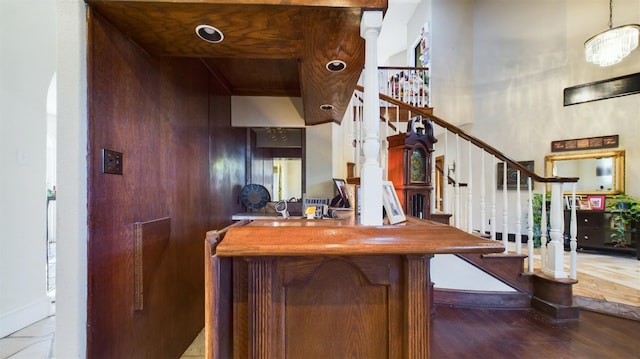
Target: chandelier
{"x":612,"y":45}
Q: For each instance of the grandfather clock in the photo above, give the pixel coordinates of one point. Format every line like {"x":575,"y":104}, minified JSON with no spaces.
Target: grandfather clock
{"x":409,"y":167}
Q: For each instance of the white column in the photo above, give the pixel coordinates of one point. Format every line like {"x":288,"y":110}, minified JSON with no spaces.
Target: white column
{"x":371,"y":172}
{"x":555,"y":249}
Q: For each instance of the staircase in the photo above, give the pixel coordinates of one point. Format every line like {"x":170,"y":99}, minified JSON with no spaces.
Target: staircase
{"x":473,"y":199}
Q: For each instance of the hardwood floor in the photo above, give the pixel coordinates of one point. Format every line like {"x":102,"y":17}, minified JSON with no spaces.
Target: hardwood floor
{"x":494,"y":333}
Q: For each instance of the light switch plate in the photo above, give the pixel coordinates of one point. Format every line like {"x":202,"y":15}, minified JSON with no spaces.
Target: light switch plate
{"x":111,"y":162}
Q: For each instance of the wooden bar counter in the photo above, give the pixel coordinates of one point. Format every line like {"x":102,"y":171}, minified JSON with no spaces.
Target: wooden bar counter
{"x":324,"y":288}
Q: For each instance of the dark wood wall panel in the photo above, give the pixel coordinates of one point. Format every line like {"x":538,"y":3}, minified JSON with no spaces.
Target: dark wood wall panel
{"x":172,"y":124}
{"x":228,"y":151}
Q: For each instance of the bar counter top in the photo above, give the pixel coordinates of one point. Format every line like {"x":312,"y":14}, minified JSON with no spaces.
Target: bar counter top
{"x":302,"y":237}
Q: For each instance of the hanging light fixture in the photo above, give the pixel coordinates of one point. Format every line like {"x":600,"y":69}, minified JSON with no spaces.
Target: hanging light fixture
{"x":612,"y":45}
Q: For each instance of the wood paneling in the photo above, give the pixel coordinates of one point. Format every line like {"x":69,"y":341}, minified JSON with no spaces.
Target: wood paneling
{"x":151,"y":239}
{"x":181,"y":160}
{"x":270,"y":48}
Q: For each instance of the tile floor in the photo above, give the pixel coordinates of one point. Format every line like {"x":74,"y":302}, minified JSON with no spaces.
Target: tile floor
{"x":607,"y":283}
{"x":33,"y":342}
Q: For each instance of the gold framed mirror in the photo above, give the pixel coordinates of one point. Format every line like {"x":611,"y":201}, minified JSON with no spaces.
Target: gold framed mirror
{"x":600,"y":172}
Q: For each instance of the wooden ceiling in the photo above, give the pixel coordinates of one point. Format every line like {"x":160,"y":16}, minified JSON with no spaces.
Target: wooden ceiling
{"x":270,"y":48}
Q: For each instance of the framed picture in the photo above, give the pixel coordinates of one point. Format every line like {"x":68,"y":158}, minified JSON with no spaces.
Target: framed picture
{"x":512,"y":175}
{"x":391,"y":203}
{"x":341,"y":187}
{"x":584,"y":204}
{"x":350,"y":189}
{"x":596,"y":202}
{"x":569,"y":205}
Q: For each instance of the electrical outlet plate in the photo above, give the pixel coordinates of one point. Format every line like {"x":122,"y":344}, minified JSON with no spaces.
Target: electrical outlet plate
{"x":111,"y":162}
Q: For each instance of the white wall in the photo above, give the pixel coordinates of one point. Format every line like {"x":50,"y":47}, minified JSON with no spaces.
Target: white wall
{"x":452,"y":62}
{"x":266,"y":111}
{"x":27,"y":58}
{"x":524,"y":54}
{"x":71,"y":295}
{"x":319,"y":168}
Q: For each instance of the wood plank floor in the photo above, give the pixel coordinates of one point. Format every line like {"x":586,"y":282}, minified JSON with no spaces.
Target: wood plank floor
{"x":494,"y":333}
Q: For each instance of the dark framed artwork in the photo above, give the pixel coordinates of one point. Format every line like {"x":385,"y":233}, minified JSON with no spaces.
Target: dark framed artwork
{"x":512,"y":175}
{"x":589,"y":143}
{"x":604,"y":89}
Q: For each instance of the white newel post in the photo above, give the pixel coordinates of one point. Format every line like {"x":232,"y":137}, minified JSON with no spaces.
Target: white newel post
{"x":371,"y":172}
{"x":555,"y":249}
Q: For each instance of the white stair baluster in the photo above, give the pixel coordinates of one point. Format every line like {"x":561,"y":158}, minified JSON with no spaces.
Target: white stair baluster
{"x":530,"y":227}
{"x":483,"y":191}
{"x":518,"y":207}
{"x":505,"y":209}
{"x":469,"y":191}
{"x":494,"y":191}
{"x":543,"y":231}
{"x":456,"y":194}
{"x":446,"y":207}
{"x":573,"y":229}
{"x":434,"y":183}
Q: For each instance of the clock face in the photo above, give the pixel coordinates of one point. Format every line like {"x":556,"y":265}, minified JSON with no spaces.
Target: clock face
{"x":418,"y":166}
{"x":255,"y":196}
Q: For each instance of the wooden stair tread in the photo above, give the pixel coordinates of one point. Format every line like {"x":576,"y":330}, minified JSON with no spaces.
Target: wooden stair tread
{"x":505,"y":255}
{"x":544,"y":276}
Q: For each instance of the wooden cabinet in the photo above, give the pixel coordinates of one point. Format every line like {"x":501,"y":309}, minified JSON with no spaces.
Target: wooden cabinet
{"x":409,"y":167}
{"x":594,"y":232}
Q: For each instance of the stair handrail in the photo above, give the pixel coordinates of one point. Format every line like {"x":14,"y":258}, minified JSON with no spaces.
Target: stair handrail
{"x":425,"y":112}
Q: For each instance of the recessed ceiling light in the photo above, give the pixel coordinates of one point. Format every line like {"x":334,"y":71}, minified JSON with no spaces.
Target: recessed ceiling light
{"x":336,"y":65}
{"x":209,"y":33}
{"x":326,"y":107}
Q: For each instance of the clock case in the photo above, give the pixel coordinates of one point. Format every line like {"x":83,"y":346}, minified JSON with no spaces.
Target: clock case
{"x":410,"y":164}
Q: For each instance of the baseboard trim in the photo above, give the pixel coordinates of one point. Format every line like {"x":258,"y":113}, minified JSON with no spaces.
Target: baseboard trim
{"x":24,"y":316}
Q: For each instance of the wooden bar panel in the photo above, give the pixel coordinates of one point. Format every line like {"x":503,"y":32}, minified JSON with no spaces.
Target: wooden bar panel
{"x":261,"y":308}
{"x":418,"y":306}
{"x":337,"y":303}
{"x":151,"y":239}
{"x":361,"y":292}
